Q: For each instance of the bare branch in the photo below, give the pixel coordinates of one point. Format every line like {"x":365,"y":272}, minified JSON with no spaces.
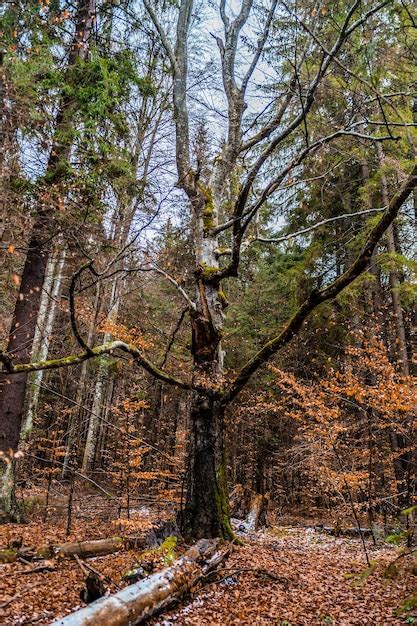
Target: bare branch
{"x":303,"y":231}
{"x":317,"y":297}
{"x":223,"y":15}
{"x":308,"y":229}
{"x":276,"y":182}
{"x":174,"y":334}
{"x":162,"y":35}
{"x":327,"y":59}
{"x":242,"y":221}
{"x":155,"y":268}
{"x":362,"y":80}
{"x":234,"y":94}
{"x":260,"y":46}
{"x":73,"y":317}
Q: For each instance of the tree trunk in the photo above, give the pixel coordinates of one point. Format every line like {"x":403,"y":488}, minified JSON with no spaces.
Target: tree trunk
{"x":397,"y":440}
{"x":76,"y":418}
{"x":206,"y":512}
{"x":23,"y":326}
{"x":102,"y":379}
{"x":42,"y":338}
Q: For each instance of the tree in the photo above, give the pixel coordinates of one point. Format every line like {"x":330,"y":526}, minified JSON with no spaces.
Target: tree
{"x":226,"y":194}
{"x":44,"y":229}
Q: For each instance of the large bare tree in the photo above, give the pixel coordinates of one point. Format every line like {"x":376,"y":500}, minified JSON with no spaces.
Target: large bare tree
{"x":257,"y":156}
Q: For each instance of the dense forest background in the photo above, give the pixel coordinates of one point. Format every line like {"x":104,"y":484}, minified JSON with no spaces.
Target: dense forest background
{"x":182,"y":179}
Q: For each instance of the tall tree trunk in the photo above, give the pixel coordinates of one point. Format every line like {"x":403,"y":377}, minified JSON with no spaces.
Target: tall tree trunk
{"x":206,"y":512}
{"x":414,"y":150}
{"x":76,"y":418}
{"x":23,"y":325}
{"x":42,"y":339}
{"x":394,"y":281}
{"x":398,"y":442}
{"x":101,"y":381}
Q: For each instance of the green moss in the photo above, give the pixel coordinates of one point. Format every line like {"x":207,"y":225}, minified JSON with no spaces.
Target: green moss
{"x":408,"y":605}
{"x":222,"y":502}
{"x":46,"y":552}
{"x":165,"y":552}
{"x":8,"y":556}
{"x":118,"y":539}
{"x":208,"y":272}
{"x":167,"y":549}
{"x":208,"y":211}
{"x":208,"y":219}
{"x":222,"y":297}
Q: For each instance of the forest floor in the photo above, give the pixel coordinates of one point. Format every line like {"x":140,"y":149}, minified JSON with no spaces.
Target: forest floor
{"x":283,"y":576}
{"x":297,"y":576}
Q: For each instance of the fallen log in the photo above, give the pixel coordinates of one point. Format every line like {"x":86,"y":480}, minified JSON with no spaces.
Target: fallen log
{"x":96,"y":547}
{"x":83,"y":549}
{"x":337,"y":531}
{"x":90,"y":548}
{"x":140,"y":601}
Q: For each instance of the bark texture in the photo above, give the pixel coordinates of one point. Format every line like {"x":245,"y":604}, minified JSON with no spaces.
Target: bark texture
{"x":207,"y":502}
{"x":142,"y":600}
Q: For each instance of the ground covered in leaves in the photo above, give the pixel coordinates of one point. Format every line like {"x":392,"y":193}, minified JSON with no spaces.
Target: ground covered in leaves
{"x":30,"y":596}
{"x":298,"y":576}
{"x":285,"y":576}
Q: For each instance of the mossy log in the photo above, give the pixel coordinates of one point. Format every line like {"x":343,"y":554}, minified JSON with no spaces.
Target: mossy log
{"x":89,"y":548}
{"x":8,"y":555}
{"x":83,"y":549}
{"x":140,"y":601}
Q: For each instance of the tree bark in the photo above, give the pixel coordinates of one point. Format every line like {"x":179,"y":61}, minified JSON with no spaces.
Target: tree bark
{"x":206,"y":512}
{"x":42,"y":338}
{"x":140,"y":601}
{"x":397,"y":440}
{"x":23,"y":325}
{"x":76,"y":418}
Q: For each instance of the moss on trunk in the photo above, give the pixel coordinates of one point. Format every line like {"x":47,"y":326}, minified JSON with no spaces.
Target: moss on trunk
{"x":206,"y":512}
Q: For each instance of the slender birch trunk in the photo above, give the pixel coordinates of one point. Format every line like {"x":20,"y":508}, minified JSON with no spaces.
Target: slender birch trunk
{"x":76,"y":417}
{"x":101,"y":381}
{"x":42,"y":339}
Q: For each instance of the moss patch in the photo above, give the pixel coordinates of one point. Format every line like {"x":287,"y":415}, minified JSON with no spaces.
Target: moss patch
{"x":8,"y":556}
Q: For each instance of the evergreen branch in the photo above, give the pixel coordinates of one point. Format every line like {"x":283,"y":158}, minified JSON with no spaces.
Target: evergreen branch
{"x":317,"y":297}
